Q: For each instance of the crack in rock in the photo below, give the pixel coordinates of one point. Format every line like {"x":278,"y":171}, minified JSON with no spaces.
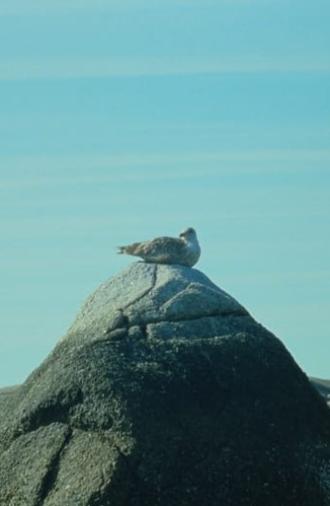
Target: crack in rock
{"x":141,"y":330}
{"x":51,"y":475}
{"x":120,"y":325}
{"x":58,"y":410}
{"x":224,"y":314}
{"x":143,"y":294}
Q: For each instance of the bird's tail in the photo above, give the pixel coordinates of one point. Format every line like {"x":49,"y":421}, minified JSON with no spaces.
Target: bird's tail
{"x":121,"y":250}
{"x":130,"y":249}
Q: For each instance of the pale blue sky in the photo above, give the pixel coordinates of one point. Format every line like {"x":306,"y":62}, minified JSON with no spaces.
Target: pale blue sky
{"x":122,"y":120}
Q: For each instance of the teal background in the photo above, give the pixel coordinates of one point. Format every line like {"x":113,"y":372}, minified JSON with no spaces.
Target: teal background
{"x":121,"y":121}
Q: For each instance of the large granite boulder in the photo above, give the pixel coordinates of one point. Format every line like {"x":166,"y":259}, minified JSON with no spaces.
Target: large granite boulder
{"x":165,"y":391}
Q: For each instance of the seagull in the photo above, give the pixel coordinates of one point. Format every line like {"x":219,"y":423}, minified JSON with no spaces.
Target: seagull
{"x":184,"y":250}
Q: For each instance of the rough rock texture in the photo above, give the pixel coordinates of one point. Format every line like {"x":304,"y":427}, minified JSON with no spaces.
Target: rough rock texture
{"x":165,"y":392}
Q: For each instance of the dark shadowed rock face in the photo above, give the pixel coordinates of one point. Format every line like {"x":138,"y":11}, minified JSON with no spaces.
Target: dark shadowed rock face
{"x":323,"y":387}
{"x":165,"y":392}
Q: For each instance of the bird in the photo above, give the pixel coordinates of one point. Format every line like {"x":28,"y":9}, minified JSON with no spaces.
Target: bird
{"x":182,"y":250}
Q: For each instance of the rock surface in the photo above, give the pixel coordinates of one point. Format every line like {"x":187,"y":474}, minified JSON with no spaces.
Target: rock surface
{"x":323,"y":387}
{"x":165,"y":391}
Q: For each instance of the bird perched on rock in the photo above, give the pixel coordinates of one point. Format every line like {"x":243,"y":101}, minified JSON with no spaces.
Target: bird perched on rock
{"x":184,"y":250}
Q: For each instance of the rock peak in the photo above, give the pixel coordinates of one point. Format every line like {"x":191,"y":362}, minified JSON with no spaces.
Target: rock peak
{"x":163,"y":300}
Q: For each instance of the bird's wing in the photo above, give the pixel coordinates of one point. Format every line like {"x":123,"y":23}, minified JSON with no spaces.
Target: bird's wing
{"x":161,"y":246}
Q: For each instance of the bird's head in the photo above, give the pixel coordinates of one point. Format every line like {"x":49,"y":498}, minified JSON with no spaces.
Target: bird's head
{"x":188,"y":234}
